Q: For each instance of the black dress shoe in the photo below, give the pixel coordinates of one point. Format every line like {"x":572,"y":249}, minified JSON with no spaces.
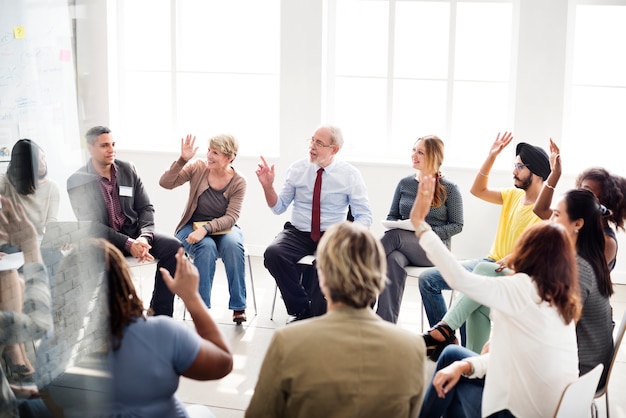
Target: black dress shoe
{"x":293,"y":318}
{"x":304,"y":314}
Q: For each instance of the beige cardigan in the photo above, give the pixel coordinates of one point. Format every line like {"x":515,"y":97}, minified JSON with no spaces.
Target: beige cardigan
{"x":42,"y":206}
{"x":197,"y":174}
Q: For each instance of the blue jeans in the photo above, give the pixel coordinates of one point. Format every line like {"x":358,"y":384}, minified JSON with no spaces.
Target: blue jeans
{"x":229,"y":247}
{"x":463,"y":400}
{"x":431,"y":284}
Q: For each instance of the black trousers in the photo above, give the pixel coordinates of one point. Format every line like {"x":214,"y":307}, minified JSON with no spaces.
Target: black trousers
{"x":164,"y":248}
{"x":298,"y":284}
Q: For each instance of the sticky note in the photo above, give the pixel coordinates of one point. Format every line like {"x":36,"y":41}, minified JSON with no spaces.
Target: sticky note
{"x":18,"y":32}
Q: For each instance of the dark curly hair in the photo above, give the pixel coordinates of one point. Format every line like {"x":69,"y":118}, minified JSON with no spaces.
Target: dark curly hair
{"x":612,"y":193}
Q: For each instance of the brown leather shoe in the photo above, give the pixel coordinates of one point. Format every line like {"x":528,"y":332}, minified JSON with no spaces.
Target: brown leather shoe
{"x":239,"y":317}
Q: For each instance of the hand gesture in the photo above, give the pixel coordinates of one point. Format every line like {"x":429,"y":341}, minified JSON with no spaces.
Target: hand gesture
{"x":265,"y":173}
{"x":186,"y":279}
{"x":500,"y":143}
{"x":503,"y":263}
{"x":140,"y":250}
{"x":15,"y":227}
{"x":423,"y":200}
{"x":555,"y":158}
{"x":188,"y":147}
{"x":446,"y":378}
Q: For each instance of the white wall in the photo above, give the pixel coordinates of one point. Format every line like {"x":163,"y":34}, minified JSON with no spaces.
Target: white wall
{"x":537,"y":117}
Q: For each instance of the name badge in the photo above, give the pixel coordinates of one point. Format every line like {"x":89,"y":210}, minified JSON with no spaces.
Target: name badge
{"x":126,"y":191}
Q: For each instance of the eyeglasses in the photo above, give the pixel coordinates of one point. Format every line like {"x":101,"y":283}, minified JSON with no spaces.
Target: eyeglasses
{"x":317,"y":143}
{"x":519,"y":167}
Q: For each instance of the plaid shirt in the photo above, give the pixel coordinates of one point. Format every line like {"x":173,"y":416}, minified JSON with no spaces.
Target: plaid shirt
{"x":111,"y":197}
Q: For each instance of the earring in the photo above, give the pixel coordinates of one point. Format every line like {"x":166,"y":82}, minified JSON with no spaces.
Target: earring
{"x":576,"y":231}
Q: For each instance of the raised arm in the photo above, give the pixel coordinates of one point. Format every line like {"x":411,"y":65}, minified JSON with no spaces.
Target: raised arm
{"x":544,"y":200}
{"x":480,"y":188}
{"x":266,"y":174}
{"x":175,"y":175}
{"x":214,"y":360}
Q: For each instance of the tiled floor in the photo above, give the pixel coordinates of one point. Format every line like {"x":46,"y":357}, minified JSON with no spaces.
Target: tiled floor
{"x":229,"y":397}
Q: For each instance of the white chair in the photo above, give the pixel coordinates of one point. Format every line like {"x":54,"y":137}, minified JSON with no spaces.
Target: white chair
{"x":604,"y":390}
{"x":414,"y":271}
{"x":247,"y":255}
{"x":133,"y":263}
{"x":577,"y":397}
{"x":199,"y":411}
{"x":307,"y":260}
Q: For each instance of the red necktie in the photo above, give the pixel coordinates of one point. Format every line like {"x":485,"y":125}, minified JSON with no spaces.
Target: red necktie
{"x":315,"y":213}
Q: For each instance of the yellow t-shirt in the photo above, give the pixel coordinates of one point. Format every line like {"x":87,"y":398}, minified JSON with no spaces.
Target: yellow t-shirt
{"x":515,"y":217}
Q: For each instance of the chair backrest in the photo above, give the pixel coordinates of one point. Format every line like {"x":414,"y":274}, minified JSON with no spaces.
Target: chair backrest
{"x":578,"y":396}
{"x":618,"y":341}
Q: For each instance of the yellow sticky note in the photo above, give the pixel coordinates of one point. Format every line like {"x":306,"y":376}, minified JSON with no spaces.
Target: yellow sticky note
{"x":18,"y":32}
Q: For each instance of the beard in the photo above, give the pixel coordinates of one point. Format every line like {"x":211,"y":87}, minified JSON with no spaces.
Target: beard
{"x":524,"y":184}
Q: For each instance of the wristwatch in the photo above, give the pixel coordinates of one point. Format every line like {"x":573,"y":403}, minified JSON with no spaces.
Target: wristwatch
{"x":423,"y":227}
{"x":206,"y":228}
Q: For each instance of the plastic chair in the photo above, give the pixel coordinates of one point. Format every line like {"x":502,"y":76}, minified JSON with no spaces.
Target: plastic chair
{"x":578,"y":396}
{"x":604,"y":390}
{"x":414,"y":271}
{"x":307,"y":260}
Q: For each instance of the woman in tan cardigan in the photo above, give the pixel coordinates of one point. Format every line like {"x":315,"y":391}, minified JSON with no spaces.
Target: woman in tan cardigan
{"x":208,"y":227}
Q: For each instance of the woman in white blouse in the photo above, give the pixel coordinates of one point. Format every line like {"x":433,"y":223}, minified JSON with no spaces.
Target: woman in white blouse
{"x":533,"y":353}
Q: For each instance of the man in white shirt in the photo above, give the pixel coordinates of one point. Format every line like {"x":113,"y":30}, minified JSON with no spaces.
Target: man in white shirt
{"x":342,"y":187}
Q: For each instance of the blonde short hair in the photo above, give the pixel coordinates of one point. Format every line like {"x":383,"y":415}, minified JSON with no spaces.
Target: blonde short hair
{"x":352,"y":261}
{"x":226,"y":144}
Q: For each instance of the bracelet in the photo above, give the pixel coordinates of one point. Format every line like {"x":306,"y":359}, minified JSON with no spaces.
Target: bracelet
{"x":548,"y":186}
{"x":483,"y":174}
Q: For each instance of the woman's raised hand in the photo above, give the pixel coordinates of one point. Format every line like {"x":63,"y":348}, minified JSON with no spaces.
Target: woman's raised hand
{"x":188,"y":147}
{"x":15,"y":226}
{"x":423,"y":200}
{"x":186,"y":278}
{"x":555,"y":158}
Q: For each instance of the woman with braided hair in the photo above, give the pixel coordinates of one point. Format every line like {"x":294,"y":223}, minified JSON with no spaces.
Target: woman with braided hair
{"x":158,"y":349}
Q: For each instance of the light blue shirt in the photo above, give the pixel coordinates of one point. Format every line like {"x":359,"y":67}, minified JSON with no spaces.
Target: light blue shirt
{"x":148,"y":365}
{"x":342,"y":185}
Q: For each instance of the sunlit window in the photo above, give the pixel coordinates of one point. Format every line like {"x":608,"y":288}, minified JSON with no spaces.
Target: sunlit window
{"x":198,"y":66}
{"x":594,"y":121}
{"x":402,"y":69}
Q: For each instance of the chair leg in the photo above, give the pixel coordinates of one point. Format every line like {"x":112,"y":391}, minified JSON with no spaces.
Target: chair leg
{"x":252,"y":285}
{"x":274,"y":303}
{"x":606,"y":397}
{"x":422,"y":316}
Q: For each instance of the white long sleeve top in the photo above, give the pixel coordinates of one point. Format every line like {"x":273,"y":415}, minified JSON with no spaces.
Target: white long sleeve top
{"x":533,"y":353}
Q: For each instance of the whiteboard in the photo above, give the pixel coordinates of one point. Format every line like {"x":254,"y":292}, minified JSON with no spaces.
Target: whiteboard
{"x":37,"y":84}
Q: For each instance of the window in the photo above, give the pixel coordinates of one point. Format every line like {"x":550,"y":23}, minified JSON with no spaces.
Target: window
{"x":596,"y":85}
{"x":198,"y":66}
{"x":401,"y":69}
